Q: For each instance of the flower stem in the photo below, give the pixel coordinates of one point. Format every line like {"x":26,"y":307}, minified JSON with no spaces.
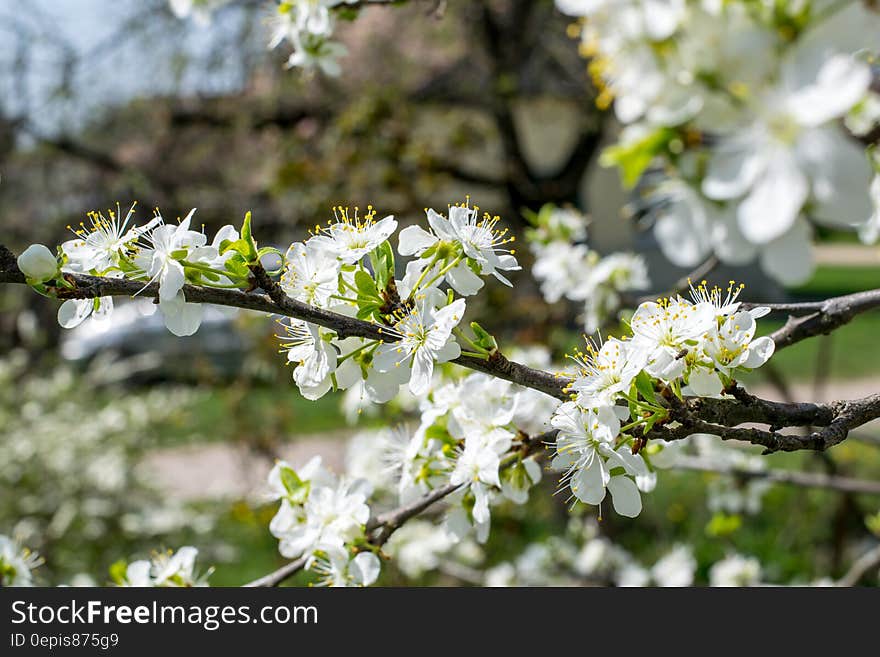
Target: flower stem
{"x":443,"y":271}
{"x":484,"y":353}
{"x":421,"y":277}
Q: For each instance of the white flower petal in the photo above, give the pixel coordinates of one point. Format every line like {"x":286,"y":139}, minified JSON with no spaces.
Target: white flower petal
{"x":171,"y":280}
{"x":181,"y":318}
{"x":73,"y":312}
{"x":448,"y":352}
{"x":841,"y":83}
{"x":422,"y":371}
{"x":775,"y":201}
{"x":789,"y":258}
{"x":625,"y":496}
{"x":733,"y":168}
{"x":463,"y":280}
{"x":38,"y":262}
{"x":705,"y":383}
{"x":414,"y":239}
{"x":682,"y":231}
{"x":841,"y":177}
{"x":760,"y":351}
{"x":588,"y":484}
{"x":365,"y":568}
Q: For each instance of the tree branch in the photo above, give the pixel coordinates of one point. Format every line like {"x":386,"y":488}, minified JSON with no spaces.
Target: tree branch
{"x":790,"y":477}
{"x":388,"y":523}
{"x":820,"y":317}
{"x":862,"y":565}
{"x":277,"y":576}
{"x":720,"y":417}
{"x":496,"y":365}
{"x":836,"y":419}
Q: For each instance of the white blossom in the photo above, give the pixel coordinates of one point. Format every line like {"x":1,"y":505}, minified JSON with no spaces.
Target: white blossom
{"x":99,"y":245}
{"x":476,"y":235}
{"x":331,"y":516}
{"x":735,"y":570}
{"x":585,"y":452}
{"x":789,"y":153}
{"x":350,"y":237}
{"x":311,"y":275}
{"x":166,"y":569}
{"x":38,"y":263}
{"x":676,"y":568}
{"x":605,"y":374}
{"x":665,"y":330}
{"x":425,"y":338}
{"x":16,"y":563}
{"x":336,"y":569}
{"x":476,"y":468}
{"x":314,"y":356}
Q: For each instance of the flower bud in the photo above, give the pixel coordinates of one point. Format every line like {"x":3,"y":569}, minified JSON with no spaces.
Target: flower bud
{"x":38,"y":263}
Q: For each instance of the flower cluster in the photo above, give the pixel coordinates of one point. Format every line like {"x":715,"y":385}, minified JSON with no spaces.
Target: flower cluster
{"x":168,"y":254}
{"x":16,"y":563}
{"x":567,"y":268}
{"x":348,"y":266}
{"x":166,"y":570}
{"x":739,"y":105}
{"x":323,"y":518}
{"x":467,"y":437}
{"x":307,"y":26}
{"x":677,"y":347}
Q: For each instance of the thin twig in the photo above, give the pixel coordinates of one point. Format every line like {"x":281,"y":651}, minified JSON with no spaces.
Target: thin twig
{"x":869,"y":560}
{"x":277,"y":576}
{"x":790,"y":477}
{"x":278,"y":303}
{"x":820,"y":317}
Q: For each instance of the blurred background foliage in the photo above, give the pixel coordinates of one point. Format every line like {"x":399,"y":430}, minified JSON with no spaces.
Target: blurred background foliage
{"x":107,"y":101}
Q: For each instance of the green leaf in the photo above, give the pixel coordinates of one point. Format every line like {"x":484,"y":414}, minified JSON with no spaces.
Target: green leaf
{"x":632,"y":158}
{"x":484,"y":338}
{"x":382,"y":261}
{"x":645,"y":386}
{"x":367,"y":311}
{"x":365,"y":285}
{"x":245,"y":245}
{"x":237,"y":266}
{"x":297,"y":489}
{"x":118,"y":571}
{"x":633,"y":411}
{"x":722,"y":524}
